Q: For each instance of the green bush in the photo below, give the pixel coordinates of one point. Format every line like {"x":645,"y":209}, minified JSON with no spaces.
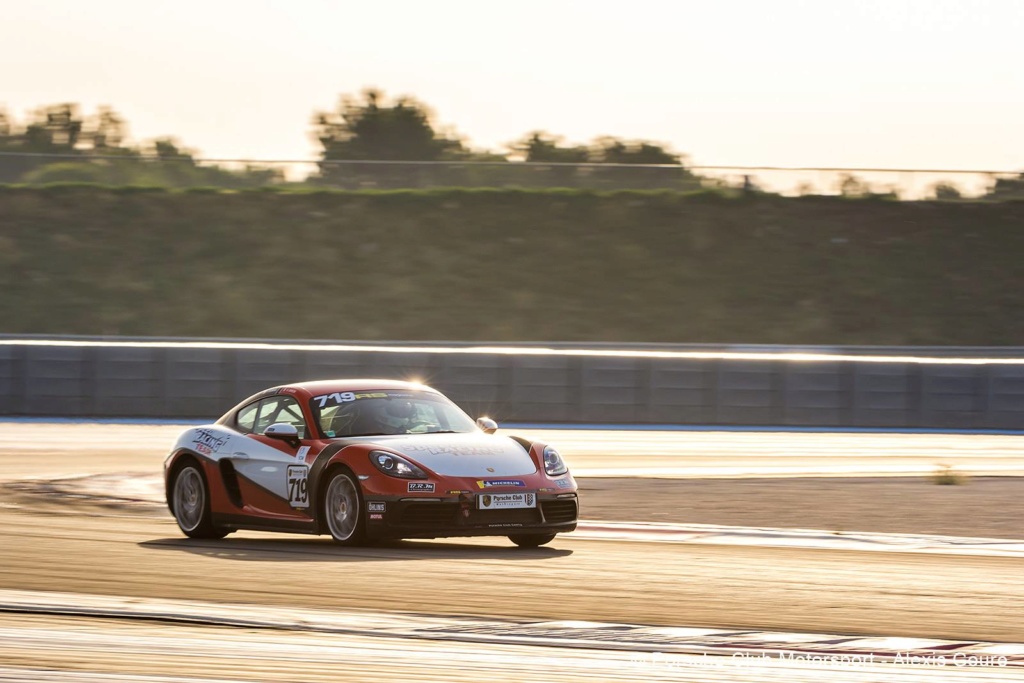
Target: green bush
{"x":945,"y":475}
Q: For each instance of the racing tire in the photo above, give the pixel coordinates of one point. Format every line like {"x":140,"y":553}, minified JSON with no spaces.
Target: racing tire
{"x":342,"y":507}
{"x":190,"y":503}
{"x":531,"y":540}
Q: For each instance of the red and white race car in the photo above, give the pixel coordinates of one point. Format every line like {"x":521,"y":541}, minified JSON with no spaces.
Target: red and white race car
{"x":362,"y":460}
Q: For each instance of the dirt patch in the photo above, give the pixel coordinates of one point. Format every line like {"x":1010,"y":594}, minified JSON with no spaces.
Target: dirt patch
{"x":985,"y":506}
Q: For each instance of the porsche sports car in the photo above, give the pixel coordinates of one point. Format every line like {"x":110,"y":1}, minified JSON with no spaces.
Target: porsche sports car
{"x":363,"y":460}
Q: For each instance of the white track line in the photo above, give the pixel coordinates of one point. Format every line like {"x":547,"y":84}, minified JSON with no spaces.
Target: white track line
{"x":713,"y":534}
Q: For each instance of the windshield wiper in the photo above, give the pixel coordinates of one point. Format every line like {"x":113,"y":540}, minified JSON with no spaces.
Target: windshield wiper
{"x":443,"y":431}
{"x":347,"y":436}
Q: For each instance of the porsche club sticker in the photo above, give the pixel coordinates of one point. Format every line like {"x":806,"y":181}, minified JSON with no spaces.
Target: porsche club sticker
{"x":498,"y":501}
{"x":489,"y":483}
{"x":420,"y":487}
{"x":298,"y":493}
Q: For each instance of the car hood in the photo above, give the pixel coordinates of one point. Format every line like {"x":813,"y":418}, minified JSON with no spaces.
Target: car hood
{"x":460,"y":455}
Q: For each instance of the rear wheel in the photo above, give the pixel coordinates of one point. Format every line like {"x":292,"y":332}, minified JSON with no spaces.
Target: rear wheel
{"x":190,"y":502}
{"x":343,"y":509}
{"x":531,"y":540}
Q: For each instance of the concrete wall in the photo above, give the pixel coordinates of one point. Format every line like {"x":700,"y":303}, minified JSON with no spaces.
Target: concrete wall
{"x":171,"y":380}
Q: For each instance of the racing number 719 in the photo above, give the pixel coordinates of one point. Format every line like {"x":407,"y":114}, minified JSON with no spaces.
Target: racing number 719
{"x":298,"y":496}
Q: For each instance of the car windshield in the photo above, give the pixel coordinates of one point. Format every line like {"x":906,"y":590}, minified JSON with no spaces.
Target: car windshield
{"x":371,"y":413}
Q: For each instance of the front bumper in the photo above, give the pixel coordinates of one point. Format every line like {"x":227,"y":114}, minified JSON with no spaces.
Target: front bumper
{"x":405,"y":517}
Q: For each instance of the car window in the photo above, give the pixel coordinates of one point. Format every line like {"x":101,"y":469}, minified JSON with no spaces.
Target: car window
{"x":350,"y":413}
{"x":280,"y":409}
{"x":428,"y":417}
{"x":247,"y":418}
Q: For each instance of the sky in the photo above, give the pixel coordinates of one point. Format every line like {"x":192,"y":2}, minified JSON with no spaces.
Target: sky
{"x":853,"y":83}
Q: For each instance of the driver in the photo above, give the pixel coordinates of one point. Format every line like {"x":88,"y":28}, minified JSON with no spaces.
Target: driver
{"x":383,"y":416}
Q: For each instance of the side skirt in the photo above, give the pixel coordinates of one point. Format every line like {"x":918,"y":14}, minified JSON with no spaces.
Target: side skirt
{"x":236,"y":522}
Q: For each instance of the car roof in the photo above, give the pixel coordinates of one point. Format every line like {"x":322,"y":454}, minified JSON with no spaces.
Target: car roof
{"x":329,"y":386}
{"x":304,"y":390}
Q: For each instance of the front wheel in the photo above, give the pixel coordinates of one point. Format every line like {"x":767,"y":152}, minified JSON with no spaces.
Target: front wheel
{"x":191,"y":504}
{"x":531,"y":540}
{"x":343,"y":509}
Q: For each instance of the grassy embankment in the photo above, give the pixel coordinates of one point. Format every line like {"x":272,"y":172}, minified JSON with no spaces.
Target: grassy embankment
{"x":511,"y":266}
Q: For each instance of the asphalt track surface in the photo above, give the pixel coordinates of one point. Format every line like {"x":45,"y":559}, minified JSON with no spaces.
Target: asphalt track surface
{"x":92,"y":551}
{"x":117,"y":651}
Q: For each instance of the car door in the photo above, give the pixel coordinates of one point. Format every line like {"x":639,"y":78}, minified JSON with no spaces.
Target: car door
{"x":272,"y":472}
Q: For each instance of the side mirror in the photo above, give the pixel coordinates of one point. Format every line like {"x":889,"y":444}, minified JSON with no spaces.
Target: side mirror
{"x":284,"y":432}
{"x":487,"y":424}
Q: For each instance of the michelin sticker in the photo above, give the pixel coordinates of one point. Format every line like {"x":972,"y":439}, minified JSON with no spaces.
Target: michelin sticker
{"x":488,"y":483}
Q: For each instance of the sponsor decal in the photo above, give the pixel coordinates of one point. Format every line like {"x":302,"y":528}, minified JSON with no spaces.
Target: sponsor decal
{"x":457,"y":450}
{"x":504,"y":501}
{"x":488,"y":483}
{"x":298,"y":493}
{"x":376,"y":516}
{"x":420,"y":487}
{"x":207,"y":442}
{"x":456,"y":492}
{"x":376,"y":506}
{"x":300,"y":455}
{"x":339,"y":397}
{"x":563,"y":483}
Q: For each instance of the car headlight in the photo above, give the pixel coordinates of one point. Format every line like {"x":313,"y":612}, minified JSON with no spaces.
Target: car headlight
{"x":395,"y":465}
{"x":553,"y":463}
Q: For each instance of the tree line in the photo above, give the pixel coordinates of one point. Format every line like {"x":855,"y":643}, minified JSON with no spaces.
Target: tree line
{"x":58,"y":143}
{"x":369,"y":127}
